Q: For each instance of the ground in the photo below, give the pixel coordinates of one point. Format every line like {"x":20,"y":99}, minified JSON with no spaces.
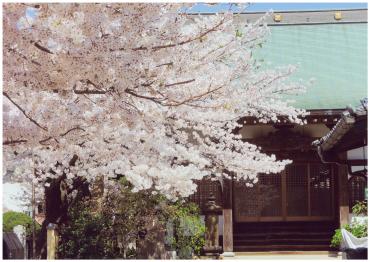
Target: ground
{"x":301,"y":255}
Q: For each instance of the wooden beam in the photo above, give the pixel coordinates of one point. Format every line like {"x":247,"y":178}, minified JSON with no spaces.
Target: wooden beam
{"x":283,"y":194}
{"x":228,"y":241}
{"x":357,"y":162}
{"x":343,"y":196}
{"x":327,"y":117}
{"x":308,"y":190}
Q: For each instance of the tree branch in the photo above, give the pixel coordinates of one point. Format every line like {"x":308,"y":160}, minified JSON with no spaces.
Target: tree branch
{"x":180,"y":83}
{"x":96,"y":91}
{"x":193,"y":98}
{"x":89,"y":92}
{"x":165,"y":64}
{"x":63,"y":134}
{"x":24,"y":112}
{"x":45,"y":140}
{"x":23,"y":56}
{"x":42,"y":48}
{"x":70,"y":130}
{"x":154,"y":99}
{"x":12,"y":142}
{"x":156,"y":48}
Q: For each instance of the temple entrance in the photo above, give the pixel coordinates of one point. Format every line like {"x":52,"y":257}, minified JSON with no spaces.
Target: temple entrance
{"x":293,"y":210}
{"x":302,"y":192}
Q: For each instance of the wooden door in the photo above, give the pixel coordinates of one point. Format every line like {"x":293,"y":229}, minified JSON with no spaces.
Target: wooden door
{"x":302,"y":192}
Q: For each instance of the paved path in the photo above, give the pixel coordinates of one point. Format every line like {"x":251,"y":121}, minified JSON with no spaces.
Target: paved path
{"x":299,"y":255}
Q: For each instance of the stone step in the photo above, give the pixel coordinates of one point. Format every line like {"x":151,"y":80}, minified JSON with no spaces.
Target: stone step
{"x":255,"y":248}
{"x":300,"y":241}
{"x":309,"y":235}
{"x":283,"y":227}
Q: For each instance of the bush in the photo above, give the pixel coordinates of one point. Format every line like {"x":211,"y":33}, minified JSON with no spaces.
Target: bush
{"x":12,"y":219}
{"x":110,"y":232}
{"x":85,"y":236}
{"x":189,"y":229}
{"x":337,"y":238}
{"x":360,"y":208}
{"x":357,"y":229}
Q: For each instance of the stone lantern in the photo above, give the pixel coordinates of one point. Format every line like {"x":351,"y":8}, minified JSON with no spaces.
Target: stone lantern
{"x":212,"y":247}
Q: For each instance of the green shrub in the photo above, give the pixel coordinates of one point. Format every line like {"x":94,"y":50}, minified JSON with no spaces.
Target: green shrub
{"x":85,"y":235}
{"x":358,"y":230}
{"x":188,"y":227}
{"x":109,"y":232}
{"x":360,"y":208}
{"x":12,"y":219}
{"x":337,"y":238}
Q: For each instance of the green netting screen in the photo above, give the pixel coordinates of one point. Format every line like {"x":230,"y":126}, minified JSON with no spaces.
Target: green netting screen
{"x":334,"y":55}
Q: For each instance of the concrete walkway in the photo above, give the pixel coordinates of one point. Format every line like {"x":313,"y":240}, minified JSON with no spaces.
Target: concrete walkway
{"x":285,"y":255}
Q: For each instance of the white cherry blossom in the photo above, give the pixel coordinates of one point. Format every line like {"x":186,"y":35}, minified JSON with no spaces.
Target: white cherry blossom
{"x":138,"y":90}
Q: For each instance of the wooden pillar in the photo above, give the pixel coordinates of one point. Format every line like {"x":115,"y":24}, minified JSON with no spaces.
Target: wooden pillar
{"x":52,"y":241}
{"x":227,"y":212}
{"x":343,"y":195}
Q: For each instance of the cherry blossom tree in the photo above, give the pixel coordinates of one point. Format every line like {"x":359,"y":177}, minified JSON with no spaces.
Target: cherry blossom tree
{"x":136,"y":90}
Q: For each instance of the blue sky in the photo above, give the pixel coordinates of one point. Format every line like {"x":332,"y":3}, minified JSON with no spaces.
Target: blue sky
{"x":263,"y":7}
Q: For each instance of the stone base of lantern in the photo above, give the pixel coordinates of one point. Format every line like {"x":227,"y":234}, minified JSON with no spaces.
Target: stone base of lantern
{"x":212,"y":251}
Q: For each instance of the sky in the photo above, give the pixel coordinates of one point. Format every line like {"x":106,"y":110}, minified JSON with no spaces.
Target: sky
{"x":11,"y":194}
{"x":264,"y":7}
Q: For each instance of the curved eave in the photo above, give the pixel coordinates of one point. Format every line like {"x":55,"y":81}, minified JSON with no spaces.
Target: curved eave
{"x":349,"y":132}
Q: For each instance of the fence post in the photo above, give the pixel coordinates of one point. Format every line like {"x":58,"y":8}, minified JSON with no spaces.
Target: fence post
{"x":52,"y":241}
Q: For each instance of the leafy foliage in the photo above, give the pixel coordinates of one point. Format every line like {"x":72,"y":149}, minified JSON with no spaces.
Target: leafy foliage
{"x":111,"y":231}
{"x":337,"y":237}
{"x":12,"y":219}
{"x":87,"y":235}
{"x":360,"y":208}
{"x":358,"y":230}
{"x":189,"y":228}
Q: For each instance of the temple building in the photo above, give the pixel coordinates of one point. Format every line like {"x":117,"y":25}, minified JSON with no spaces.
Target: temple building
{"x":299,"y":208}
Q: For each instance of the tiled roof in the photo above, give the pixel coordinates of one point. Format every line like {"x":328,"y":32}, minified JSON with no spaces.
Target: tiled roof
{"x":342,"y":127}
{"x":12,"y":245}
{"x":333,"y":56}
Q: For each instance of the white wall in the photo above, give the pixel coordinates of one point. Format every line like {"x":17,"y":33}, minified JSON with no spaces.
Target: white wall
{"x":357,"y":153}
